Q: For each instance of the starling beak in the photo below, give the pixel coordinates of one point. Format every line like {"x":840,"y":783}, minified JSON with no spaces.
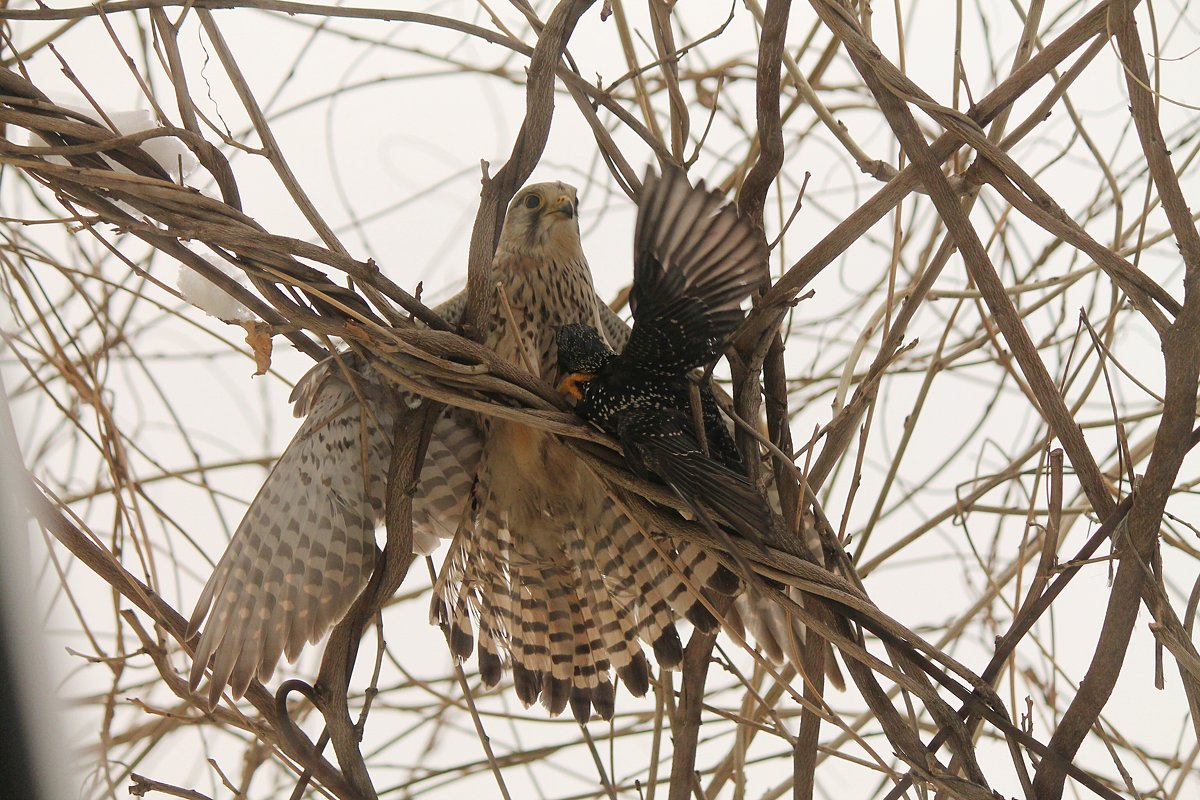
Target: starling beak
{"x":572,"y":385}
{"x":696,"y":260}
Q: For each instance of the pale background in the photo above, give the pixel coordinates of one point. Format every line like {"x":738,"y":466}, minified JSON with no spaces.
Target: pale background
{"x":385,"y":132}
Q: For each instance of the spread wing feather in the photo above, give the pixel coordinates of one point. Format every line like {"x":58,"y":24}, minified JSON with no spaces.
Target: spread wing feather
{"x":306,"y":546}
{"x":695,"y":261}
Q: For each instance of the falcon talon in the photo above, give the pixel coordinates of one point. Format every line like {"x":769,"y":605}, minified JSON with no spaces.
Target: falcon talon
{"x":573,"y":385}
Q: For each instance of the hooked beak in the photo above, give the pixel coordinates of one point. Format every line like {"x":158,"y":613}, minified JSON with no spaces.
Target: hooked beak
{"x":562,"y":205}
{"x":572,"y":385}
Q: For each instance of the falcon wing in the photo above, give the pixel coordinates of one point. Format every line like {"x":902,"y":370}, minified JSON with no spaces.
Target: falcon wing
{"x":615,"y":329}
{"x":306,"y":546}
{"x":695,"y":261}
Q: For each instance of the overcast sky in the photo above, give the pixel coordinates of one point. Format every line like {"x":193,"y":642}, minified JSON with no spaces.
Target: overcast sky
{"x":386,"y":138}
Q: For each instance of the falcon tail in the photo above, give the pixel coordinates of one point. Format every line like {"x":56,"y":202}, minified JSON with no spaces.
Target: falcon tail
{"x":563,"y":630}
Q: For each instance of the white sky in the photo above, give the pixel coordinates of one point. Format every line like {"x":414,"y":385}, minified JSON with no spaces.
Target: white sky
{"x":393,"y":165}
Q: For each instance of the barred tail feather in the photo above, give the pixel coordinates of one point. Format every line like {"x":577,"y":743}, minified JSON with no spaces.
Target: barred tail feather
{"x":531,"y":647}
{"x":556,"y":684}
{"x":449,"y":578}
{"x":649,"y":573}
{"x":589,"y":662}
{"x":490,"y":660}
{"x":705,"y":570}
{"x":492,"y":598}
{"x":615,"y":626}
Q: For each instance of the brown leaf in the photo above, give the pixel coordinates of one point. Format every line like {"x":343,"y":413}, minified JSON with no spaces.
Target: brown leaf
{"x":258,"y":336}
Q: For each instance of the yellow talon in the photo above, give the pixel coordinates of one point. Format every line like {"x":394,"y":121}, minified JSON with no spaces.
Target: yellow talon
{"x":572,"y":385}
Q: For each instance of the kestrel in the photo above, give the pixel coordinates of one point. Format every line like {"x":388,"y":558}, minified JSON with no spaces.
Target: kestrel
{"x":554,"y":577}
{"x":545,"y":575}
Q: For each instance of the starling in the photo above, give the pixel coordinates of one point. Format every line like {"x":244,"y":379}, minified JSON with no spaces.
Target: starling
{"x":695,"y":261}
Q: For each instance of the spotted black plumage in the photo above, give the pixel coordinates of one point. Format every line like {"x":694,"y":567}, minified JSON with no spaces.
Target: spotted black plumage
{"x":695,"y":261}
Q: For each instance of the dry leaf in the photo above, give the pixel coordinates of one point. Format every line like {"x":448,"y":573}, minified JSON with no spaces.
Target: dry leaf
{"x":258,"y":336}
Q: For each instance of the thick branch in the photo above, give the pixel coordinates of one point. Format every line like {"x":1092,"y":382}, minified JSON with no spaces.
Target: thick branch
{"x":527,"y":150}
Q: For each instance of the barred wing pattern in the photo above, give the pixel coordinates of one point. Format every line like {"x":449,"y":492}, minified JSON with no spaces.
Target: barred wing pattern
{"x":306,"y":546}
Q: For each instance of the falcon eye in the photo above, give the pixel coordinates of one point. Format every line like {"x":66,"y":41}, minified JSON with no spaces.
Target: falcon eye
{"x":532,"y":201}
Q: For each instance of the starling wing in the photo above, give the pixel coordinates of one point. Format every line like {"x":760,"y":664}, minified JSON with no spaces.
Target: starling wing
{"x":660,"y":443}
{"x":695,"y":261}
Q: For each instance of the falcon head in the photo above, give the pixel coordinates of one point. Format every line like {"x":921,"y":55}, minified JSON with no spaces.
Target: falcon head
{"x":543,"y":218}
